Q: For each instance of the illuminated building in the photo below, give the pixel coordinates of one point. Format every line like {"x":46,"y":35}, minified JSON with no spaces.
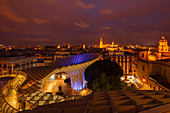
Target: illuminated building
{"x":109,"y":47}
{"x":68,"y":46}
{"x":2,"y":46}
{"x":58,"y":46}
{"x":61,"y":54}
{"x":101,"y":42}
{"x":154,"y":74}
{"x":163,"y":45}
{"x":153,"y":55}
{"x":127,"y":62}
{"x":10,"y":64}
{"x":84,"y":46}
{"x":153,"y":67}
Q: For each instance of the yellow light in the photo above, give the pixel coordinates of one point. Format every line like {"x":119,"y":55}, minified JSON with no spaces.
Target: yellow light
{"x":144,"y":80}
{"x":121,"y":78}
{"x":63,"y":77}
{"x":152,"y":58}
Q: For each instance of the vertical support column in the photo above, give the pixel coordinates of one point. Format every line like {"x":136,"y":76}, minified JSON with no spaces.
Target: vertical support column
{"x":2,"y":68}
{"x":128,"y":65}
{"x":20,"y":65}
{"x":120,"y":59}
{"x":123,"y":64}
{"x":132,"y":57}
{"x":25,"y":64}
{"x":30,"y":64}
{"x":81,"y":78}
{"x":7,"y":68}
{"x":117,"y":59}
{"x":12,"y":67}
{"x":83,"y":82}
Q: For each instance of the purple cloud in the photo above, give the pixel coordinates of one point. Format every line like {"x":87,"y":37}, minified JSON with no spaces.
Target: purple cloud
{"x":81,"y":24}
{"x":86,"y":6}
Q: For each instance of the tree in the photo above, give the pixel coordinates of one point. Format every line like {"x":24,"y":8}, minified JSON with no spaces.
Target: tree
{"x":103,"y":76}
{"x":106,"y":83}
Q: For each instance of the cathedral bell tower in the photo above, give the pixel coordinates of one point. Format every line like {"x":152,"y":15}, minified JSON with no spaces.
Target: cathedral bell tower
{"x":101,"y":42}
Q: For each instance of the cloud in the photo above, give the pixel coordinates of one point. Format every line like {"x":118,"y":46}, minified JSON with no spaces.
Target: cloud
{"x":10,"y":14}
{"x":133,"y":24}
{"x":39,"y":21}
{"x":5,"y":29}
{"x":4,"y":2}
{"x":106,"y":11}
{"x":106,"y":27}
{"x":124,"y":20}
{"x":119,"y":30}
{"x":35,"y":40}
{"x":81,"y":24}
{"x":85,"y":6}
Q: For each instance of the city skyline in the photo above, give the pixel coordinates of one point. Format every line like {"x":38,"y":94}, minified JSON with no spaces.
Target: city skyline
{"x":78,"y":22}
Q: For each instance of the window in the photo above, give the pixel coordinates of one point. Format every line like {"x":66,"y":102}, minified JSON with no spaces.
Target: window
{"x":5,"y":65}
{"x":143,"y":68}
{"x":134,"y":70}
{"x":134,"y":75}
{"x":165,"y":72}
{"x":150,"y":86}
{"x":143,"y":55}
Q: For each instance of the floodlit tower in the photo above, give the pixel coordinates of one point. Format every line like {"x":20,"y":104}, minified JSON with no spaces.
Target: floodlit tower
{"x":112,"y":44}
{"x":68,"y":46}
{"x":84,"y":46}
{"x":58,"y":46}
{"x":163,"y":45}
{"x":101,"y":43}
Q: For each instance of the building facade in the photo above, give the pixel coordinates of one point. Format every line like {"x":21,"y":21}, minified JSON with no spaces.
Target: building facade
{"x":127,"y":63}
{"x":153,"y":74}
{"x":10,"y":64}
{"x":109,"y":47}
{"x":153,"y":67}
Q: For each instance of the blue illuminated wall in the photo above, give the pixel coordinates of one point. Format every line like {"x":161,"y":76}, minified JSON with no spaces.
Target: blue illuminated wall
{"x":80,"y":84}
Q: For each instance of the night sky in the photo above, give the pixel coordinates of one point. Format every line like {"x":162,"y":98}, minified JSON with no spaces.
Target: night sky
{"x":53,"y":22}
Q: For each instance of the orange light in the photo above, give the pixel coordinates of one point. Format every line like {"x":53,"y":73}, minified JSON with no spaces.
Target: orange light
{"x":144,"y":80}
{"x":152,"y":58}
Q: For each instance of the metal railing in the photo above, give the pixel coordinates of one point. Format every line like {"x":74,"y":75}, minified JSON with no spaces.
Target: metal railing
{"x":5,"y":106}
{"x":159,"y":85}
{"x":19,"y":79}
{"x":15,"y":83}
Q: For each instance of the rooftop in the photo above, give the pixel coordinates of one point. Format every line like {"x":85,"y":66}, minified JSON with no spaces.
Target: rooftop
{"x":37,"y":73}
{"x":110,"y":102}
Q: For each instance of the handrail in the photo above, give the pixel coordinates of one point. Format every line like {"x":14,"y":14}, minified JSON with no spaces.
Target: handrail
{"x":19,"y":79}
{"x":155,"y":81}
{"x":3,"y":103}
{"x":5,"y":106}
